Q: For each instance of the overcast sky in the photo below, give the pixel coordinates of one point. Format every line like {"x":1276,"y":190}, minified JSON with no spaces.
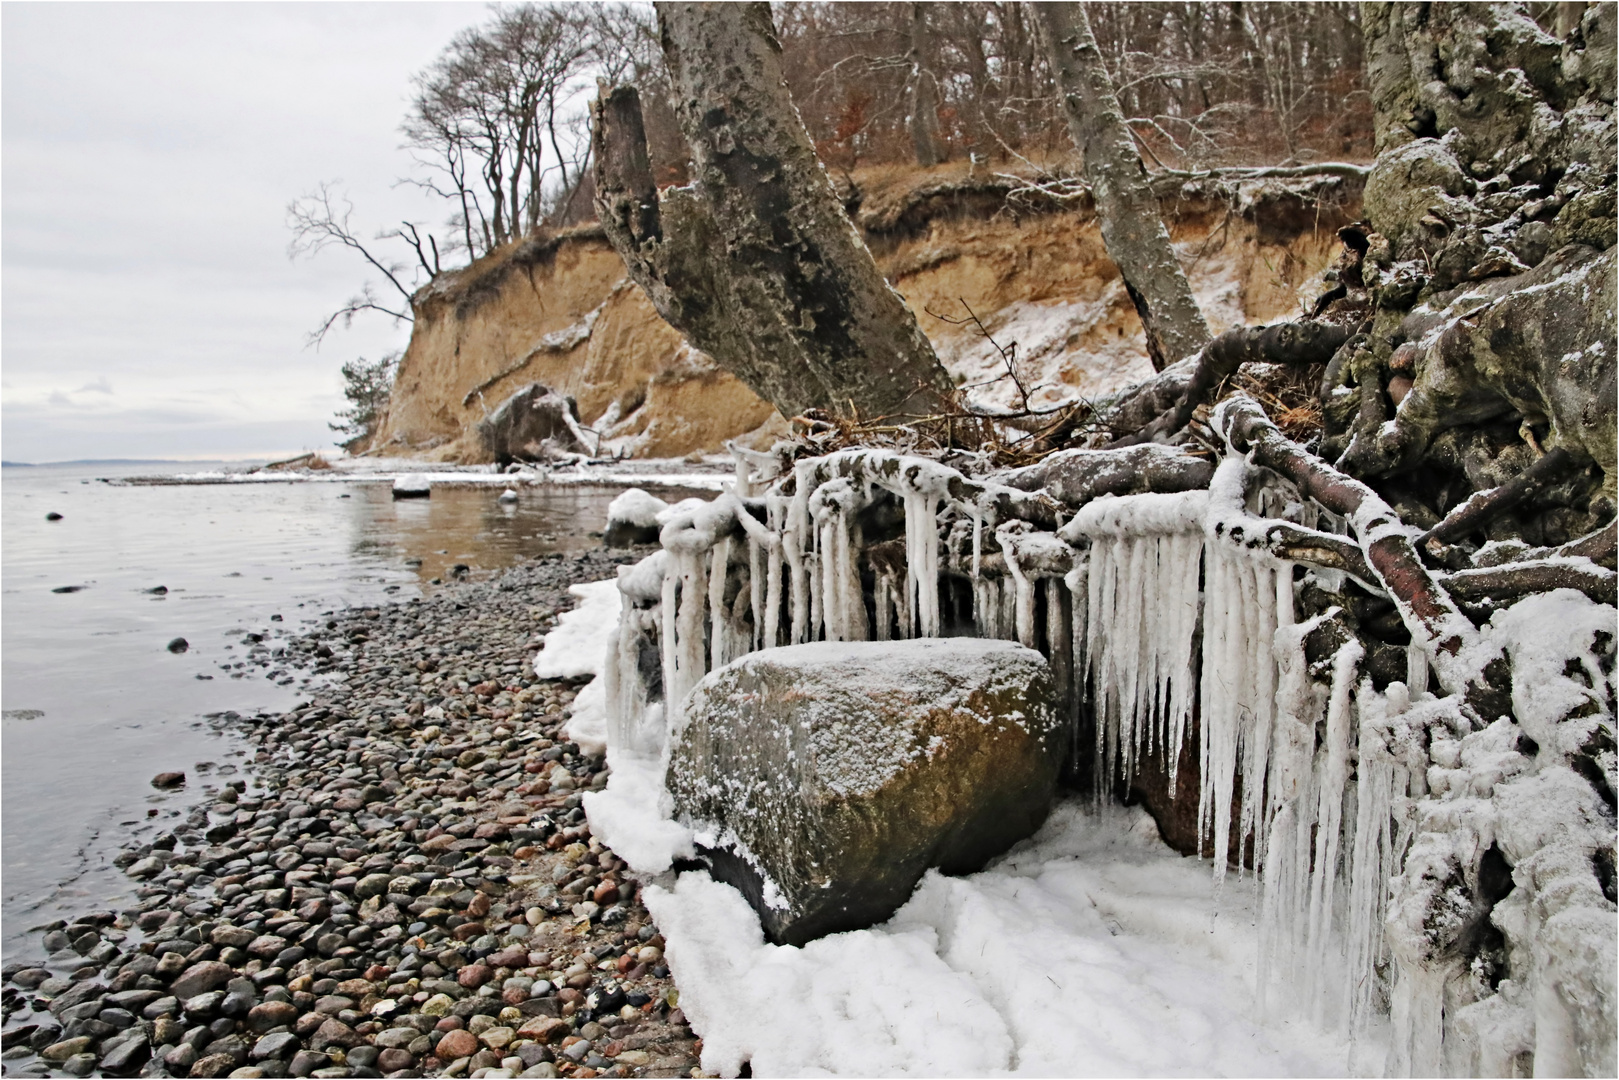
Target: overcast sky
{"x":148,"y":153}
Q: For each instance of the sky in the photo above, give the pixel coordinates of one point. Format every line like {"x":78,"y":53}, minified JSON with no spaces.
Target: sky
{"x":148,"y":307}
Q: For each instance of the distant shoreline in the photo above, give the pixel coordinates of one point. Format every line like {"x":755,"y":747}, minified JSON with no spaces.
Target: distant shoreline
{"x":119,"y":461}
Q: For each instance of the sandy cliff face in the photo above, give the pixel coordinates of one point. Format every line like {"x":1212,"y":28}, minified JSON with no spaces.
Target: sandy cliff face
{"x":560,"y":310}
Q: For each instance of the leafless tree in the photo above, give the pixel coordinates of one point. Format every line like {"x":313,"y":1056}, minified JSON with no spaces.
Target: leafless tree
{"x":497,"y":121}
{"x":323,"y":219}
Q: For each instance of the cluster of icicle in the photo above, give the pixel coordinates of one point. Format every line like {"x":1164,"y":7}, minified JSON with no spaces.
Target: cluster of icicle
{"x":1157,"y":609}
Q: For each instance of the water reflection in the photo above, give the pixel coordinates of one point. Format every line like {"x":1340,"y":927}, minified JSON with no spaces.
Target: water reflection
{"x":472,"y":528}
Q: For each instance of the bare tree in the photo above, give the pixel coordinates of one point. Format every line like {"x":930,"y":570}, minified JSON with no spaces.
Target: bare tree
{"x":498,"y":120}
{"x":322,"y":220}
{"x":1127,"y":210}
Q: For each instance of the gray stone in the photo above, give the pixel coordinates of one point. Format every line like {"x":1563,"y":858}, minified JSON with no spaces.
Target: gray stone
{"x":79,"y":1065}
{"x":847,"y":772}
{"x":305,"y":1062}
{"x":125,"y":1056}
{"x":163,"y":1006}
{"x":371,"y":885}
{"x":279,"y":1044}
{"x":204,"y":1006}
{"x":201,"y":978}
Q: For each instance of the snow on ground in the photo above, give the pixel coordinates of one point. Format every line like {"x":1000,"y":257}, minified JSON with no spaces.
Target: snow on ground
{"x":577,"y":647}
{"x":1091,"y":949}
{"x":709,"y":475}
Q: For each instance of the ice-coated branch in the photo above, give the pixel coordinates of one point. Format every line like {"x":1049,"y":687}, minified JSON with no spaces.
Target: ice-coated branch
{"x":1429,"y":613}
{"x":1229,"y":521}
{"x":1488,"y":589}
{"x":1075,"y":477}
{"x":900,"y":473}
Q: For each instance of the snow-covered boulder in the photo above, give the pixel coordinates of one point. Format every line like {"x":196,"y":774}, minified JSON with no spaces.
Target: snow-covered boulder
{"x":412,"y":486}
{"x":823,"y":780}
{"x":632,"y":518}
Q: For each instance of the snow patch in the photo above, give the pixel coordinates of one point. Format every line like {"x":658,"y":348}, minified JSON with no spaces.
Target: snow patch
{"x":1089,"y":950}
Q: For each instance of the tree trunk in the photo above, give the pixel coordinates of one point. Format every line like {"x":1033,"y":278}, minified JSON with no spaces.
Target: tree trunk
{"x":756,"y":262}
{"x":1132,"y":229}
{"x":924,"y":94}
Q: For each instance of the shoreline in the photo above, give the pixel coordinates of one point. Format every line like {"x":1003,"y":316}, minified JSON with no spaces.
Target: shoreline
{"x":401,"y":883}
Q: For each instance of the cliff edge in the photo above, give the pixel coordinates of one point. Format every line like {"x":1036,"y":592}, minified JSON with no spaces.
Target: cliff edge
{"x":559,"y":309}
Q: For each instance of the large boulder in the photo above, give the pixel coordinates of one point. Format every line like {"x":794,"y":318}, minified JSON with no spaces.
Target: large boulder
{"x":534,"y":424}
{"x":823,"y":780}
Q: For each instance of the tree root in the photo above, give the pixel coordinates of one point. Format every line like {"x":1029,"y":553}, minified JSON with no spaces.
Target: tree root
{"x":1305,"y":341}
{"x":1427,"y":610}
{"x":1075,"y":477}
{"x":1486,"y":506}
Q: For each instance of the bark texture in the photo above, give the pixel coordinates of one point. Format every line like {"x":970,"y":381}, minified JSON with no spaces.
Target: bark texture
{"x":924,"y":94}
{"x":1126,"y":209}
{"x":1491,"y":262}
{"x":755,"y":261}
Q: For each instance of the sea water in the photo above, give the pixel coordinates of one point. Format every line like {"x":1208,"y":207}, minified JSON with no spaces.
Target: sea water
{"x":94,"y":701}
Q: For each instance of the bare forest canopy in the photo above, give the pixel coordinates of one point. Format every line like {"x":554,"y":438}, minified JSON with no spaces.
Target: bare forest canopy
{"x":497,"y":126}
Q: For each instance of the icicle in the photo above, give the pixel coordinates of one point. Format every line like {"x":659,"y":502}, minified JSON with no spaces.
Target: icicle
{"x":1078,"y":582}
{"x":1380,"y":782}
{"x":1261,"y":710}
{"x":1127,"y":635}
{"x":978,"y":538}
{"x":793,"y":542}
{"x":1416,"y":669}
{"x":771,"y":635}
{"x":1024,"y":590}
{"x":683,"y":635}
{"x":922,"y":563}
{"x":1059,"y":642}
{"x":1224,"y":671}
{"x":1100,"y":616}
{"x":1329,"y":815}
{"x":756,"y":592}
{"x":667,"y":609}
{"x":1181,"y":601}
{"x":1285,"y":867}
{"x":884,"y":604}
{"x":831,"y":594}
{"x":854,"y":602}
{"x":817,"y":595}
{"x":717,"y":644}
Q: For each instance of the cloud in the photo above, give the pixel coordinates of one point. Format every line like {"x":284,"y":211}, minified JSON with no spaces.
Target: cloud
{"x":150,"y":153}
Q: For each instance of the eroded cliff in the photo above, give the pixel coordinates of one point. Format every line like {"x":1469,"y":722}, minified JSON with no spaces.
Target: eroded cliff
{"x":560,"y":310}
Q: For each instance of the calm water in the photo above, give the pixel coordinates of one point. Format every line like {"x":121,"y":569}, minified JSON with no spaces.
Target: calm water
{"x":94,"y":703}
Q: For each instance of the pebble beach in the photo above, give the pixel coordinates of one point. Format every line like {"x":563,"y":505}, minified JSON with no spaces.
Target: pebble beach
{"x":399,"y":881}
